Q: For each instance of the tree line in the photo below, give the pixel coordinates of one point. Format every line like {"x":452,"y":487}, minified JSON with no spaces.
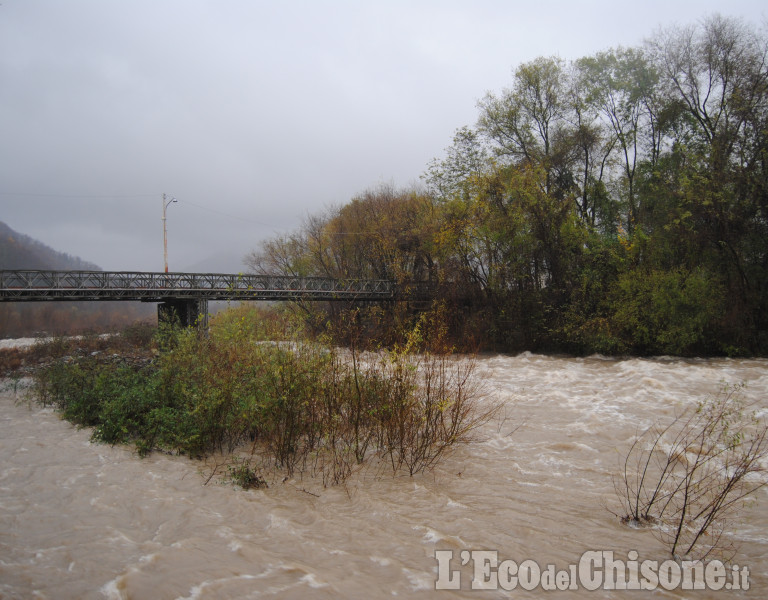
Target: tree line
{"x":617,"y":203}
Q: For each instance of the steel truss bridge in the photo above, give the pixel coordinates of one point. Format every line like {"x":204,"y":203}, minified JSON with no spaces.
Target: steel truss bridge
{"x":184,"y":295}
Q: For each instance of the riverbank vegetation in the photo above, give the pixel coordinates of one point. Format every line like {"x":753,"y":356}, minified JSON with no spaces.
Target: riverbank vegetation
{"x":616,"y":204}
{"x":296,"y":405}
{"x":132,"y":343}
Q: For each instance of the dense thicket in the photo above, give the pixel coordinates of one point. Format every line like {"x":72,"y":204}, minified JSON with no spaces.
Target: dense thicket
{"x":617,"y":203}
{"x":303,"y":407}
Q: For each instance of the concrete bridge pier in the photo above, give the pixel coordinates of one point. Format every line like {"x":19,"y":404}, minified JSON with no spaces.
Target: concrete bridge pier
{"x":187,"y":312}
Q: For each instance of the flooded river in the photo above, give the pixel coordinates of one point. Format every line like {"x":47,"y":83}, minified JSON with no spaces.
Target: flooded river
{"x":83,"y":520}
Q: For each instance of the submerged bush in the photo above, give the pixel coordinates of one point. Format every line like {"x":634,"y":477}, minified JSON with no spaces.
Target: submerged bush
{"x":686,"y":480}
{"x":243,"y":474}
{"x":301,"y":406}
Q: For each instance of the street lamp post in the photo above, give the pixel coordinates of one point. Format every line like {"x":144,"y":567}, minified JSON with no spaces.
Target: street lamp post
{"x":165,"y":232}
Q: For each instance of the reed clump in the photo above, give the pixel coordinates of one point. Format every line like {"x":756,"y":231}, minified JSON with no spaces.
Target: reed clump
{"x":294,"y":405}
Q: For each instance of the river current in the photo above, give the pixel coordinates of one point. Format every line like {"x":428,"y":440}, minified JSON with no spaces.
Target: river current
{"x":86,"y":520}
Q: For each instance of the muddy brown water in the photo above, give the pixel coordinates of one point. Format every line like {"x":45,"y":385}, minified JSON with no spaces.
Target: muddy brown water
{"x":85,"y":520}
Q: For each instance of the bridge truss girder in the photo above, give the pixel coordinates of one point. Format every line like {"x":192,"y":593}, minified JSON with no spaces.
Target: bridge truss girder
{"x":28,"y":285}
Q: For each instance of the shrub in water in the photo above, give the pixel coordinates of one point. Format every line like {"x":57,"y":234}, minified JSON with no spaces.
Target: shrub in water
{"x":301,"y":405}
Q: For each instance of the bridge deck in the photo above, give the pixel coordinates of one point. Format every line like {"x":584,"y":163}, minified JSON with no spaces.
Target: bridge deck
{"x":17,"y":286}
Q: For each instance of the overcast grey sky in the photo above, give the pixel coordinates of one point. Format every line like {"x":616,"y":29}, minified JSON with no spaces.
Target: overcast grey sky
{"x":252,"y":113}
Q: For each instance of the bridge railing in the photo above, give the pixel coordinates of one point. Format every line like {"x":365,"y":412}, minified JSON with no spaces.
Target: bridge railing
{"x":31,"y":285}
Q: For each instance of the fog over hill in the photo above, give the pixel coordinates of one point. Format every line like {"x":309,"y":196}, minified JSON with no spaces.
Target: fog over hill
{"x":19,"y":251}
{"x":21,"y":319}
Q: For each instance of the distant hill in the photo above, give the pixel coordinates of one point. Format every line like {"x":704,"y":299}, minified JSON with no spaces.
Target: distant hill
{"x":19,"y":251}
{"x":22,"y":319}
